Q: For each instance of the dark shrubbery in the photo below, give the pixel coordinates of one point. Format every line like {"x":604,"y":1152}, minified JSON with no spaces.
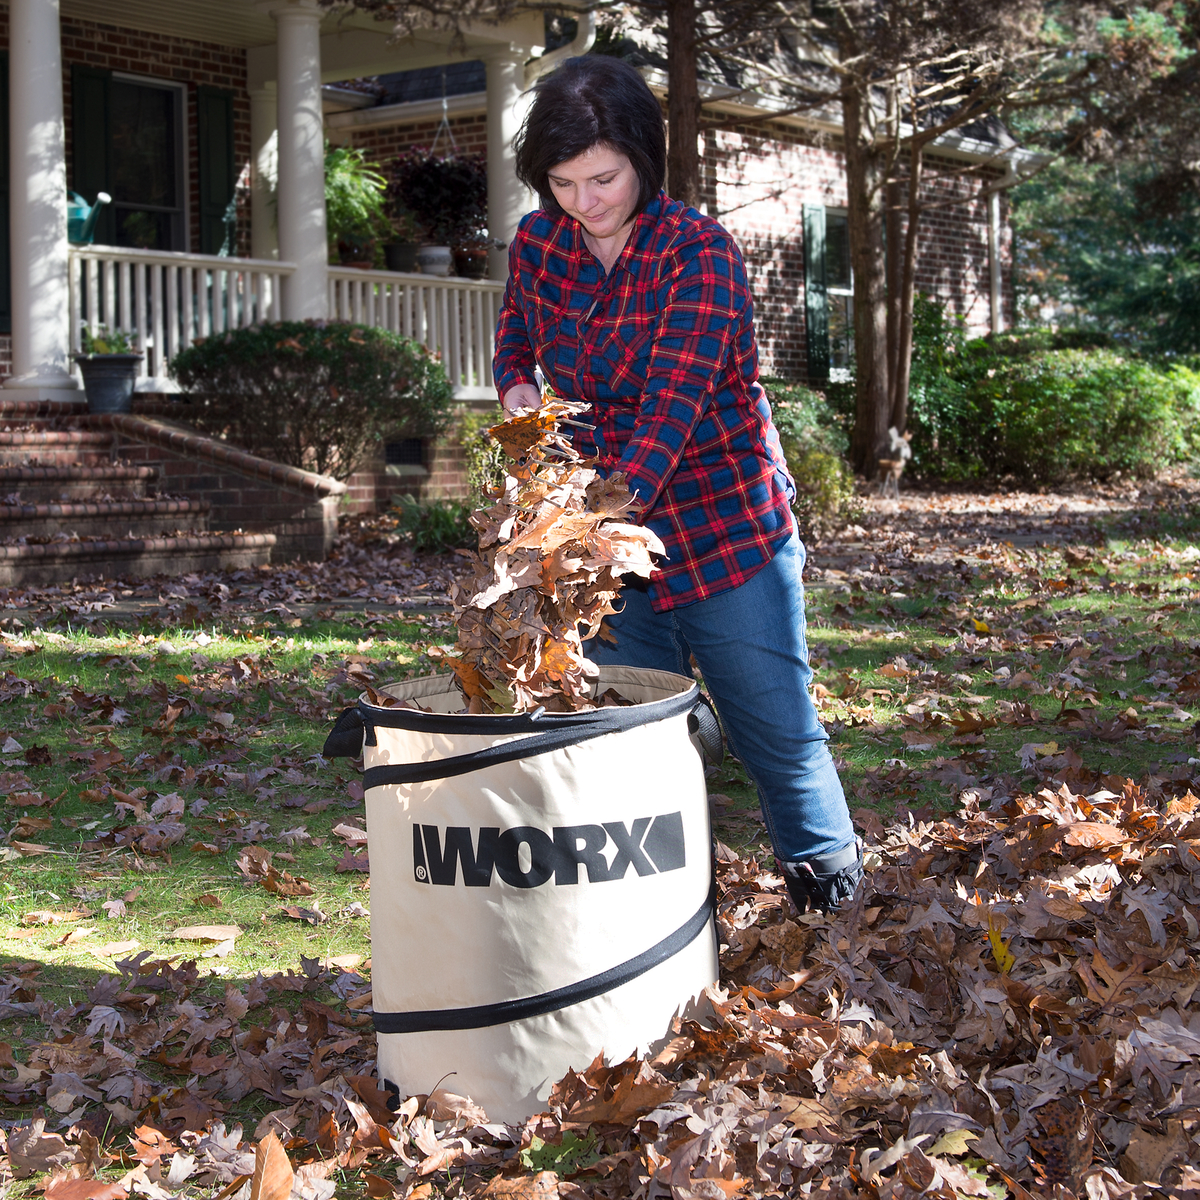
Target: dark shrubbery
{"x":814,"y":443}
{"x":313,"y":394}
{"x":1043,"y":406}
{"x":435,"y":526}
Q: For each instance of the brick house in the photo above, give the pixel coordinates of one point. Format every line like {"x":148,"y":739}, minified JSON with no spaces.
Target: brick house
{"x":178,"y":110}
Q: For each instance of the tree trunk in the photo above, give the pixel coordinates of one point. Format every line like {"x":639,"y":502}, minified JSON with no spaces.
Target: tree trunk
{"x":865,"y":200}
{"x":683,"y":103}
{"x":904,"y":339}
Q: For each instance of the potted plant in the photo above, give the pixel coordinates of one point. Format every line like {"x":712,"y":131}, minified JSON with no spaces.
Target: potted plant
{"x":471,"y":254}
{"x":355,"y":206}
{"x":109,"y":365}
{"x":447,"y":196}
{"x":400,"y":253}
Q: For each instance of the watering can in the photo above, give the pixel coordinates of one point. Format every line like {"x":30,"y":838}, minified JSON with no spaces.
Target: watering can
{"x":82,"y":217}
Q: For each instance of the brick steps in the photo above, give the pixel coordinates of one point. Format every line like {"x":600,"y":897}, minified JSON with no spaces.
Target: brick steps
{"x":58,"y":562}
{"x":37,"y":444}
{"x":80,"y":481}
{"x":95,"y":517}
{"x":86,"y":495}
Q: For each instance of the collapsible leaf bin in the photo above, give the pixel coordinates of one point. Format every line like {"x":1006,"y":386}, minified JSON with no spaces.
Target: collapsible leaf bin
{"x":540,"y":883}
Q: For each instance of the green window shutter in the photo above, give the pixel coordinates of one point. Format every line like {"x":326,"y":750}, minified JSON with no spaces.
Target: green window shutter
{"x":216,"y":175}
{"x":91,"y":142}
{"x":816,"y":301}
{"x":5,"y":263}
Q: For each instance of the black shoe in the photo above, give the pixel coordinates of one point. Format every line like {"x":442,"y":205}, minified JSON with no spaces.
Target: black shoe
{"x":823,"y":883}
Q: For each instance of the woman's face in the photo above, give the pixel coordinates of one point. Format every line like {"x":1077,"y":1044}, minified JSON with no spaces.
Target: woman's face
{"x":599,"y":188}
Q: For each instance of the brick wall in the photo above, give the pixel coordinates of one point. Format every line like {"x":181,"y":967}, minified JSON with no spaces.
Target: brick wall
{"x":304,"y":524}
{"x":178,"y":60}
{"x":389,"y":141}
{"x":445,"y":478}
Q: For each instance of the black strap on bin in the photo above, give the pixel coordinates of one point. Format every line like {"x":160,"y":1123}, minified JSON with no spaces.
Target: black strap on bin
{"x":555,"y":734}
{"x":482,"y":1015}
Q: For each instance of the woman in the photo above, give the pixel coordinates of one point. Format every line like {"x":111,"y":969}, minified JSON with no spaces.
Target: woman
{"x":630,"y":301}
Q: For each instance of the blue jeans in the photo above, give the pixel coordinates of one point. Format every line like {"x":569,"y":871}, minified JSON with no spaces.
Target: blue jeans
{"x":749,"y":643}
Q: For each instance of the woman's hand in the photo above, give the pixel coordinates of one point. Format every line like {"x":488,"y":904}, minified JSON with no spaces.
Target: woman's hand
{"x":521,"y":398}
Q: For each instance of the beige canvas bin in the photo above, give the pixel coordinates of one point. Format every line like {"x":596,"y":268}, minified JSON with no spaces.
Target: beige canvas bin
{"x":540,"y":885}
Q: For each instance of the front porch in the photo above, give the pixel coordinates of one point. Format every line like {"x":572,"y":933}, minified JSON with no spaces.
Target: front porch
{"x":261,"y":141}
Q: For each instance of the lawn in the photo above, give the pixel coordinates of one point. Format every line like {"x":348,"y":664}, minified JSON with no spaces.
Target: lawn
{"x":184,"y":886}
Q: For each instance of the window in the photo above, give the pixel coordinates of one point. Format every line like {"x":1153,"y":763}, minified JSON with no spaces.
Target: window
{"x":146,"y":165}
{"x":839,"y":291}
{"x":128,"y":138}
{"x":829,"y":294}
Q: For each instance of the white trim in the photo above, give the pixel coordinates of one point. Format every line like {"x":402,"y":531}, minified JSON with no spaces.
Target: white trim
{"x":182,"y":143}
{"x":469,"y":104}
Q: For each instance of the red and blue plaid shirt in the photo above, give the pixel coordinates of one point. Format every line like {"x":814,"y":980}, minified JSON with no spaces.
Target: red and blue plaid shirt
{"x":663,"y":349}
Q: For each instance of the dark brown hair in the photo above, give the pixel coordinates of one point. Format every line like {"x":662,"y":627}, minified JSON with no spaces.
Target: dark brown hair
{"x":588,"y":101}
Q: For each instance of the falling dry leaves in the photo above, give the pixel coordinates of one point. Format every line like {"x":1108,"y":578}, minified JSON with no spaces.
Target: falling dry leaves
{"x":552,"y":551}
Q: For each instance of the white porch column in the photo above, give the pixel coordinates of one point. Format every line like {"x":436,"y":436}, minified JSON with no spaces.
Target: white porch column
{"x":301,"y":186}
{"x":995,"y":279}
{"x":508,"y":200}
{"x":264,"y":169}
{"x":38,"y":200}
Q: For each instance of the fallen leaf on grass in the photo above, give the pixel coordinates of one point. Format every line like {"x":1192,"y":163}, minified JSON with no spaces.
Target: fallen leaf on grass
{"x":71,"y":1187}
{"x":207,"y":933}
{"x":31,"y":1149}
{"x":353,"y":862}
{"x":46,"y":916}
{"x":207,"y":901}
{"x":273,"y":1176}
{"x":109,"y":949}
{"x":310,"y":916}
{"x":542,"y":1186}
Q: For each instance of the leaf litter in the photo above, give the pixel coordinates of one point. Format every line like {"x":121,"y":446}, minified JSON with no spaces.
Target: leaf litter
{"x":1009,"y":1008}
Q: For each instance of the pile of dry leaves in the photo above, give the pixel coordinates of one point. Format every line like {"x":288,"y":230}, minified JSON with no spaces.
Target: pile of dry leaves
{"x":1008,"y":1008}
{"x":552,"y":551}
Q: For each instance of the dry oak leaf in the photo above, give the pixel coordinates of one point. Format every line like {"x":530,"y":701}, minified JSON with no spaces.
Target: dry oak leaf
{"x":273,"y":1176}
{"x":640,"y":1089}
{"x":31,"y":1149}
{"x":74,"y":1187}
{"x":207,"y":933}
{"x":542,"y":1186}
{"x":1148,"y":1155}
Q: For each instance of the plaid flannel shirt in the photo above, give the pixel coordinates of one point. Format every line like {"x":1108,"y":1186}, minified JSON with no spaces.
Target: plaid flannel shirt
{"x":663,"y":349}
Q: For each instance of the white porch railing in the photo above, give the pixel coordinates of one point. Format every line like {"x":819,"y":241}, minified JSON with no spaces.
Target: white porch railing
{"x":169,"y":299}
{"x":455,"y":318}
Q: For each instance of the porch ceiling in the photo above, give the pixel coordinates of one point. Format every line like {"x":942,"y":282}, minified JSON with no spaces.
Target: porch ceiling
{"x":239,"y":23}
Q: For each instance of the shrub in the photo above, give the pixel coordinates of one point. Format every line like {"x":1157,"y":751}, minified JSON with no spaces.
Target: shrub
{"x":435,"y":526}
{"x":813,"y":437}
{"x":1043,"y":406}
{"x":485,"y":459}
{"x":314,"y":394}
{"x":1058,"y":414}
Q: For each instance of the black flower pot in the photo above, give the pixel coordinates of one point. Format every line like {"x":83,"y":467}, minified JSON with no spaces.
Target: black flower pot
{"x":108,"y":381}
{"x":401,"y":256}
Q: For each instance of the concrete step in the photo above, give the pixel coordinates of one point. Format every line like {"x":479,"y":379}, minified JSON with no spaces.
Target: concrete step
{"x":49,"y":485}
{"x":59,"y":561}
{"x":43,"y":445}
{"x":111,"y":518}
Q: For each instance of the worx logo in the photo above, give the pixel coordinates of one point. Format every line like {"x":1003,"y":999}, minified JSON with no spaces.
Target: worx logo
{"x":527,"y":857}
